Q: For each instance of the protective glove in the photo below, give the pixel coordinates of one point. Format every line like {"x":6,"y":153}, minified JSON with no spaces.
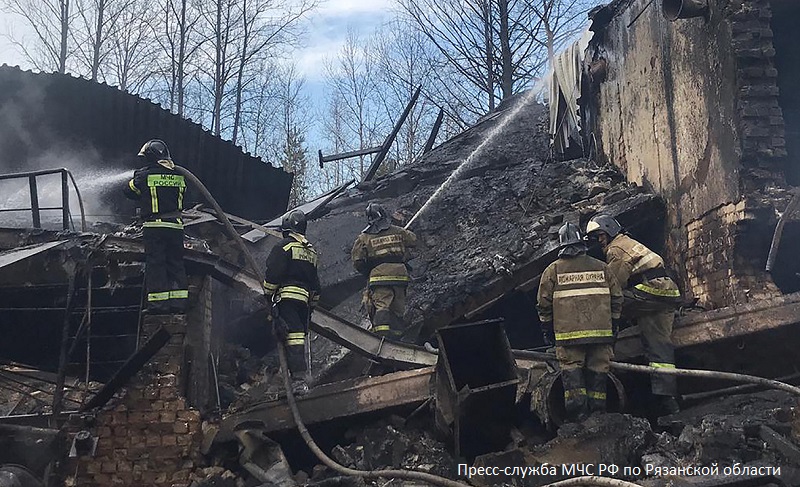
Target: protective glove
{"x":548,"y":334}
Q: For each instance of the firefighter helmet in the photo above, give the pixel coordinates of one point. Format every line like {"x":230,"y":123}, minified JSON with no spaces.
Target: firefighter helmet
{"x":155,"y":150}
{"x":294,"y":221}
{"x":569,"y":234}
{"x":603,"y":223}
{"x":376,"y":212}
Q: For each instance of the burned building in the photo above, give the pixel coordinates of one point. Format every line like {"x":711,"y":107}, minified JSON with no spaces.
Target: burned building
{"x":195,"y":400}
{"x":697,"y":101}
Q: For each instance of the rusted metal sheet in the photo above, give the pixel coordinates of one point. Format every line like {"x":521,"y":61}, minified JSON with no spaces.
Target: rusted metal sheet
{"x":331,"y":401}
{"x":720,"y":324}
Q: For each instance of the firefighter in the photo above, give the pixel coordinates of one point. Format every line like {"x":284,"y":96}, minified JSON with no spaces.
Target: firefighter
{"x":579,"y":304}
{"x":381,"y":252}
{"x":292,"y":282}
{"x":651,"y":298}
{"x":159,"y":190}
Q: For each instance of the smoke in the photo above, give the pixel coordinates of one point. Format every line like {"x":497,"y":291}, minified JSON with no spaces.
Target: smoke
{"x":99,"y":181}
{"x":34,"y":138}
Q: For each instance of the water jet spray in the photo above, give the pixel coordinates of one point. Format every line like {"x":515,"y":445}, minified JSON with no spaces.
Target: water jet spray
{"x":463,"y":166}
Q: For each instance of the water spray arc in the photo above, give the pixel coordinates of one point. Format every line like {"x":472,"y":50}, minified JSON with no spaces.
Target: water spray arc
{"x":526,"y":98}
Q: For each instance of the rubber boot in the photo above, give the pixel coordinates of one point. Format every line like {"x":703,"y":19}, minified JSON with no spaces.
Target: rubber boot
{"x":596,"y":391}
{"x":574,"y":395}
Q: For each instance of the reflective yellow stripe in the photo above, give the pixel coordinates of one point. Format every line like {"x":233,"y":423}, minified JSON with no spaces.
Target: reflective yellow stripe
{"x":596,"y":395}
{"x":574,"y":392}
{"x":390,"y":250}
{"x":134,"y":188}
{"x":179,"y":294}
{"x":291,"y":245}
{"x":269,"y":286}
{"x":662,"y":365}
{"x":293,"y":292}
{"x":158,"y":296}
{"x":296,"y":341}
{"x":591,"y":291}
{"x":388,"y":278}
{"x":642,"y":262}
{"x":180,"y":198}
{"x":159,"y":224}
{"x":382,"y":328}
{"x":296,"y":334}
{"x":573,"y":335}
{"x":154,"y":199}
{"x":667,"y":293}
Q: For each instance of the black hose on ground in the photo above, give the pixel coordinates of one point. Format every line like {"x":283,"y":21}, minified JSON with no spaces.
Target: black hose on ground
{"x":312,"y":445}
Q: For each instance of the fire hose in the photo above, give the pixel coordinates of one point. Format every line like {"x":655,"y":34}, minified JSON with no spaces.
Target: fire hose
{"x":704,"y":374}
{"x":312,"y":445}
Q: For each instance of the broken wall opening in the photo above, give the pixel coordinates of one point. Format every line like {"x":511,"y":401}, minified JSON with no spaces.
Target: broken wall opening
{"x":787,"y":61}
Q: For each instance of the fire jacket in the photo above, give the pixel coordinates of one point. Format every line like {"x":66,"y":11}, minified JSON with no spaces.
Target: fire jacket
{"x":292,"y":270}
{"x":640,"y":269}
{"x":159,"y":190}
{"x":580,"y":296}
{"x":383,"y":256}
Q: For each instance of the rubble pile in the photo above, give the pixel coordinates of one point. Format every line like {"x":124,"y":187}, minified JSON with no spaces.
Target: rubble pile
{"x":500,"y":214}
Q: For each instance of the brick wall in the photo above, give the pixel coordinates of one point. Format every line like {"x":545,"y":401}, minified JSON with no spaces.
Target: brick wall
{"x":760,"y":117}
{"x":726,"y":252}
{"x":150,"y":436}
{"x":727,"y":247}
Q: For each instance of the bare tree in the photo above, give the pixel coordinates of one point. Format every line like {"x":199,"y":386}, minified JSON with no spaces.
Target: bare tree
{"x":50,"y":21}
{"x":98,"y":21}
{"x":350,"y":79}
{"x":488,"y":50}
{"x":401,"y":59}
{"x":267,"y":26}
{"x":177,"y":37}
{"x":132,"y":47}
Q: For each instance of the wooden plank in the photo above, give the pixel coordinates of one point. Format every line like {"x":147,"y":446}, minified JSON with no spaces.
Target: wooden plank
{"x":332,"y":401}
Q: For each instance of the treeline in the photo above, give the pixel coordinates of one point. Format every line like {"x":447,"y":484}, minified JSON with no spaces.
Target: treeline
{"x":228,"y":64}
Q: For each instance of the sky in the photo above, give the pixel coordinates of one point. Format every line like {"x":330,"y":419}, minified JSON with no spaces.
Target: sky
{"x":327,"y":29}
{"x":328,"y":26}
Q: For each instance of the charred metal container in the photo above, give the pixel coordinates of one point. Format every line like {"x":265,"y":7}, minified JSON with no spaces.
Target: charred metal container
{"x":476,"y":387}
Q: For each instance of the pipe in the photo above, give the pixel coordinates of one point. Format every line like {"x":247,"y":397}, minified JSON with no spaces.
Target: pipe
{"x":592,"y":480}
{"x":704,"y":374}
{"x":402,"y":474}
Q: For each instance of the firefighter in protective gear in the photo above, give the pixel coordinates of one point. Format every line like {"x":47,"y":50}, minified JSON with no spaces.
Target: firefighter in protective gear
{"x":381,"y":252}
{"x":292,"y":282}
{"x":578,"y":300}
{"x":159,"y":190}
{"x":651,"y":298}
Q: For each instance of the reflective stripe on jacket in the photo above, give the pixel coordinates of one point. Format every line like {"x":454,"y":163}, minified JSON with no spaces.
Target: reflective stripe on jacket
{"x":630,"y":261}
{"x":160,"y":191}
{"x":383,"y":256}
{"x":292,"y":270}
{"x":580,"y":296}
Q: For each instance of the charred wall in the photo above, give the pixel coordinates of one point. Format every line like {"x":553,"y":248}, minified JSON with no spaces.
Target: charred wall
{"x":54,"y":120}
{"x":690,"y":109}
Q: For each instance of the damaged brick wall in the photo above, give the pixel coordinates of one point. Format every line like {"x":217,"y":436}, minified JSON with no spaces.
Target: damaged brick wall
{"x":690,"y":109}
{"x":150,"y":436}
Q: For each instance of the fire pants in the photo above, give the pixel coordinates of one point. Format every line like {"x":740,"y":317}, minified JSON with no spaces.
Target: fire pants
{"x":165,"y":275}
{"x":655,"y":320}
{"x":386,"y":307}
{"x":583,"y":374}
{"x":295,"y":315}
